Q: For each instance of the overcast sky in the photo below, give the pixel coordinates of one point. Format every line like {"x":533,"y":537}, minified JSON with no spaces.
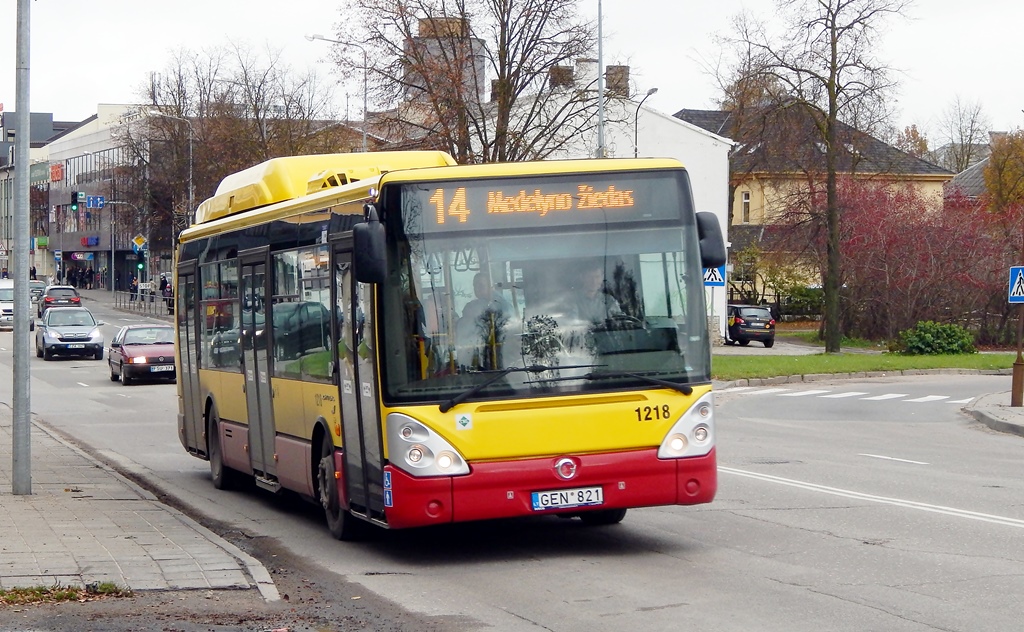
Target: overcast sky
{"x":101,"y":51}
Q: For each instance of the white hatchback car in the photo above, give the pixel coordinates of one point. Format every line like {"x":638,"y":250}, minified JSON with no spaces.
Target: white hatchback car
{"x":7,"y":306}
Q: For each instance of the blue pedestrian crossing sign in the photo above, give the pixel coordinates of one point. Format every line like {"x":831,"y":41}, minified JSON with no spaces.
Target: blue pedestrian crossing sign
{"x":714,"y":277}
{"x":1017,"y":284}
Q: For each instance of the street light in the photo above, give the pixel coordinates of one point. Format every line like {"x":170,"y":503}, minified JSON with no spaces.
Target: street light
{"x":636,"y":123}
{"x":317,"y":36}
{"x":191,"y":189}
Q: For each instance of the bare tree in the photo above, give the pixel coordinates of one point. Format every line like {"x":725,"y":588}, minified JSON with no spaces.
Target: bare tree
{"x":222,"y":110}
{"x":964,"y":132}
{"x":429,"y":61}
{"x":824,"y":64}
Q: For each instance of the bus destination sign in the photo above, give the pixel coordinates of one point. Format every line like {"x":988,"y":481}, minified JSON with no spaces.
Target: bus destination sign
{"x":542,"y":201}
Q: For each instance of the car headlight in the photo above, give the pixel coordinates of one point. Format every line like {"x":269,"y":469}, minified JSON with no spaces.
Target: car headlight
{"x":138,"y":360}
{"x":51,"y":335}
{"x":96,"y":336}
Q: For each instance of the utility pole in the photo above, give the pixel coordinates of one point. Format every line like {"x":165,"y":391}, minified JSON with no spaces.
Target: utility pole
{"x":21,"y":440}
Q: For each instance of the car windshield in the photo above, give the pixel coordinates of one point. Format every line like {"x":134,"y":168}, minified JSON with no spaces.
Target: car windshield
{"x":149,"y":336}
{"x":63,"y":292}
{"x":68,"y":319}
{"x":7,"y":294}
{"x":755,"y":312}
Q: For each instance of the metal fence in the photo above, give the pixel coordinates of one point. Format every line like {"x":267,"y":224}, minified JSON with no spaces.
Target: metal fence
{"x":145,"y":302}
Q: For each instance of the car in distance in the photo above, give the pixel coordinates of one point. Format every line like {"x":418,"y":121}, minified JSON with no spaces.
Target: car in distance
{"x":35,"y":290}
{"x":142,"y":352}
{"x":58,"y":296}
{"x":750,"y":322}
{"x":69,"y":331}
{"x":7,"y":306}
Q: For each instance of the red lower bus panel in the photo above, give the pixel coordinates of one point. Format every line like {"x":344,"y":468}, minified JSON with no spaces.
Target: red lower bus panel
{"x":503,"y":490}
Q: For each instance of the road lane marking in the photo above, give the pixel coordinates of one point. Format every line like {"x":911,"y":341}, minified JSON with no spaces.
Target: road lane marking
{"x":929,"y":398}
{"x":961,"y":401}
{"x":82,"y":384}
{"x":841,"y":395}
{"x":803,"y":393}
{"x":878,"y":398}
{"x":899,"y":502}
{"x":892,"y":458}
{"x":769,"y":391}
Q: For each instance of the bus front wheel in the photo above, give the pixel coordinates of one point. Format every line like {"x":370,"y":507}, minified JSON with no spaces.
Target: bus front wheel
{"x":223,"y":477}
{"x":340,"y":522}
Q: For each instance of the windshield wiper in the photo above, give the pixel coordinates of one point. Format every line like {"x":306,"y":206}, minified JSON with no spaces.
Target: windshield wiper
{"x":533,"y":368}
{"x":682,"y":388}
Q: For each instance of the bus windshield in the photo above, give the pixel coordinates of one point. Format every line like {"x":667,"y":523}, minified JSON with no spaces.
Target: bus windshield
{"x":608,"y":301}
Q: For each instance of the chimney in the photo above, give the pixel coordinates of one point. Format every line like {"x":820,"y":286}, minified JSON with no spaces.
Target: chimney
{"x":560,"y":77}
{"x":586,"y":74}
{"x":617,"y":80}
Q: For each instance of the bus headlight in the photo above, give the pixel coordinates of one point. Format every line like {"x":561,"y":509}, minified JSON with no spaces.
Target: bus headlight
{"x":693,"y":434}
{"x":416,"y":449}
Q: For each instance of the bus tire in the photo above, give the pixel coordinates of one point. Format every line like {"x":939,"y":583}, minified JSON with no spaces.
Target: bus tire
{"x":222,"y":476}
{"x":340,"y":522}
{"x":602,"y":517}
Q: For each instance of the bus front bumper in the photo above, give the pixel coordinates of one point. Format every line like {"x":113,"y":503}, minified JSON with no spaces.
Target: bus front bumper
{"x":505,"y":489}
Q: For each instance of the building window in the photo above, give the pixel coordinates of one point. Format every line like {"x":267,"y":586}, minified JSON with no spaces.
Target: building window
{"x":745,"y":216}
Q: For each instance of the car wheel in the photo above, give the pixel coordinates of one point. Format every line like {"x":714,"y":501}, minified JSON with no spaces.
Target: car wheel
{"x":341,"y":524}
{"x":125,"y":380}
{"x":39,"y":351}
{"x":98,"y":355}
{"x":768,"y":344}
{"x":744,"y":343}
{"x":730,"y":341}
{"x":603,"y":517}
{"x":222,"y":476}
{"x":114,"y":377}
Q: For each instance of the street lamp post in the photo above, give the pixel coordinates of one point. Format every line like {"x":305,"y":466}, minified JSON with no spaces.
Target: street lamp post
{"x":317,"y":36}
{"x":636,"y":123}
{"x":191,"y":136}
{"x":113,"y":287}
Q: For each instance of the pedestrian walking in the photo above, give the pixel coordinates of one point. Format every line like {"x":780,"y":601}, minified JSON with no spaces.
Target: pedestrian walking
{"x":32,"y":273}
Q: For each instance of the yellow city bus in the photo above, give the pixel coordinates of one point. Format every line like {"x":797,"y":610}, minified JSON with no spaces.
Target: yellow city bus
{"x":410,"y":342}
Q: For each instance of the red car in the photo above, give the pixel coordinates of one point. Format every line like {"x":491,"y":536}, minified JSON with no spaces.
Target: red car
{"x":142,"y":352}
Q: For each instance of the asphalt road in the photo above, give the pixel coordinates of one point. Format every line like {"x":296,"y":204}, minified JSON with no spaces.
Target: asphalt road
{"x":835,"y":511}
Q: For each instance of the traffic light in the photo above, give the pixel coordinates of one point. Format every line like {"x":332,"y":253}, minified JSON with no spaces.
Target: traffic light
{"x":74,"y":201}
{"x":139,"y":265}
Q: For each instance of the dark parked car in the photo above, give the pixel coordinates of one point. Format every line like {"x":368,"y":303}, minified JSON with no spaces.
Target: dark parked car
{"x":142,"y":352}
{"x":58,"y":296}
{"x":750,"y":322}
{"x":69,"y":331}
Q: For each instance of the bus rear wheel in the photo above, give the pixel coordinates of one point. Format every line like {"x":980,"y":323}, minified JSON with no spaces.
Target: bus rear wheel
{"x":340,"y":522}
{"x":603,"y":517}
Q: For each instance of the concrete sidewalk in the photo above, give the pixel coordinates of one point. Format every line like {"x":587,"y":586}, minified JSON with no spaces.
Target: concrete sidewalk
{"x":85,"y":523}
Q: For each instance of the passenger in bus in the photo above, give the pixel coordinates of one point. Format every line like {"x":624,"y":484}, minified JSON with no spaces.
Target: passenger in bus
{"x":591,"y":302}
{"x":483,"y":322}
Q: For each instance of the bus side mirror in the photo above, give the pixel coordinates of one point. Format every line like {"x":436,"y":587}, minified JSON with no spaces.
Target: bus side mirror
{"x":712,"y":244}
{"x":368,"y":254}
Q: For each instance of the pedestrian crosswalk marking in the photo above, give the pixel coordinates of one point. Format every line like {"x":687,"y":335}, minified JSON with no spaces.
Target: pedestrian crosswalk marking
{"x":929,"y":398}
{"x":802,"y":393}
{"x":846,"y":394}
{"x":886,"y":396}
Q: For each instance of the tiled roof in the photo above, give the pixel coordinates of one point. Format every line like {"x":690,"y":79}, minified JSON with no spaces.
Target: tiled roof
{"x":970,"y":181}
{"x":784,"y":129}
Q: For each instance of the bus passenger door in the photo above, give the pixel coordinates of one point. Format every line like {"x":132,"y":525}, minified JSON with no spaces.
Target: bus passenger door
{"x":255,"y":330}
{"x":361,"y":426}
{"x":188,"y":369}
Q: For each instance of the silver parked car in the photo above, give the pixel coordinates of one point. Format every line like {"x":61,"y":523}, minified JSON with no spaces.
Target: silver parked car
{"x":69,"y":331}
